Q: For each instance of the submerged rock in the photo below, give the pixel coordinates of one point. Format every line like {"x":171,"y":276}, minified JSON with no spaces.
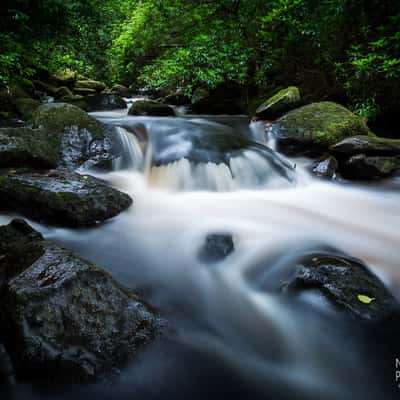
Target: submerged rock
{"x":280,"y":103}
{"x":25,"y":147}
{"x":317,"y":126}
{"x":364,"y":167}
{"x":217,"y":247}
{"x":369,"y":145}
{"x":347,"y":283}
{"x":325,"y":168}
{"x":151,"y":108}
{"x":61,"y":197}
{"x":82,"y":140}
{"x":64,"y":319}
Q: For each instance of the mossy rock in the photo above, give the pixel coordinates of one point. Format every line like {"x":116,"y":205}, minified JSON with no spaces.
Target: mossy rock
{"x":120,"y":90}
{"x":64,"y":93}
{"x":83,"y":141}
{"x":317,"y":126}
{"x":97,"y":86}
{"x":47,"y":88}
{"x":64,"y":319}
{"x":100,"y":102}
{"x":280,"y":103}
{"x":84,"y":91}
{"x":61,"y":197}
{"x":26,"y":107}
{"x":65,"y":78}
{"x":28,"y":147}
{"x":151,"y":108}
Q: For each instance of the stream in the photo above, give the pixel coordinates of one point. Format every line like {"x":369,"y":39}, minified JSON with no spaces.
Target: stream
{"x":234,"y":335}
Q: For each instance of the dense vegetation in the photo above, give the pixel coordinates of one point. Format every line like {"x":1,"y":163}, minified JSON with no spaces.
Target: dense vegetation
{"x":339,"y":49}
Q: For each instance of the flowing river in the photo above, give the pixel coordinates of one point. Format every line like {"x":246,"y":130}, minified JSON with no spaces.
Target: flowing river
{"x":234,"y":335}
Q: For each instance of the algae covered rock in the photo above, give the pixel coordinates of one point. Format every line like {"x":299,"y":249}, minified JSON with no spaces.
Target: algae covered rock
{"x":83,"y":140}
{"x":280,"y":103}
{"x":27,"y":147}
{"x":26,"y":107}
{"x":97,"y":86}
{"x":63,"y":319}
{"x":60,"y":196}
{"x":317,"y":126}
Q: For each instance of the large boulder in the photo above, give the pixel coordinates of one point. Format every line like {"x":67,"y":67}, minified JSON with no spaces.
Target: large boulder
{"x":60,"y":196}
{"x":369,"y":145}
{"x":120,"y":90}
{"x":83,"y":141}
{"x":363,"y":167}
{"x":25,"y":147}
{"x":151,"y":108}
{"x":97,"y":86}
{"x":63,"y":319}
{"x":280,"y":103}
{"x":64,"y":78}
{"x":346,"y":282}
{"x":317,"y":126}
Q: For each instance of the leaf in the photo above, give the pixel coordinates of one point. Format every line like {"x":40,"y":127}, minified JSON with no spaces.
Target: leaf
{"x":365,"y":299}
{"x":85,"y":177}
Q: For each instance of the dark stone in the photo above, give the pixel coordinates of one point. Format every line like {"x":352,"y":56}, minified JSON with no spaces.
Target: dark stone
{"x":325,"y":168}
{"x":26,"y":107}
{"x":121,"y":91}
{"x":61,"y":197}
{"x":82,"y":140}
{"x":364,"y":167}
{"x":25,"y":147}
{"x":63,"y":319}
{"x":97,"y":86}
{"x":103,"y":102}
{"x":6,"y":369}
{"x":45,"y":87}
{"x":64,"y":93}
{"x":151,"y":108}
{"x":176,"y":99}
{"x":341,"y":279}
{"x":217,"y":247}
{"x":369,"y":145}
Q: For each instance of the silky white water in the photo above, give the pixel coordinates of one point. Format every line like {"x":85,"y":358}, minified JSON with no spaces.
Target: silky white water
{"x":231,"y":311}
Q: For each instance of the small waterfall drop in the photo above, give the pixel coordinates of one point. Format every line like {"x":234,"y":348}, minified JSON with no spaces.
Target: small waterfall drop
{"x":132,"y":153}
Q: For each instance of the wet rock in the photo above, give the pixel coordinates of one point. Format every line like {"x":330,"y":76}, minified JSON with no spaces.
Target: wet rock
{"x":26,"y":107}
{"x":369,"y":145}
{"x":27,"y":147}
{"x":342,"y":279}
{"x":217,"y":247}
{"x":176,"y":99}
{"x":151,"y":108}
{"x":84,"y":91}
{"x":316,"y":127}
{"x":325,"y":168}
{"x":64,"y":78}
{"x":45,"y":87}
{"x":61,"y":197}
{"x":97,"y":86}
{"x":64,"y":93}
{"x":362,"y":167}
{"x":121,"y":91}
{"x":280,"y":103}
{"x":199,"y":94}
{"x":63,"y":319}
{"x":101,"y":102}
{"x":83,"y":141}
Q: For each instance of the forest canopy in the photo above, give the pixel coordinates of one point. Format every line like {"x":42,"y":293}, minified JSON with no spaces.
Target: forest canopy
{"x":348,"y":49}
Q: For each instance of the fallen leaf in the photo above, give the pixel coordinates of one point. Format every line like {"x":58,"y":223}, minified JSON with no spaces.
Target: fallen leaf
{"x":365,"y":299}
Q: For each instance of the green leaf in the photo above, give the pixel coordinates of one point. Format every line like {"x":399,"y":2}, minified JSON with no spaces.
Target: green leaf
{"x":365,"y":299}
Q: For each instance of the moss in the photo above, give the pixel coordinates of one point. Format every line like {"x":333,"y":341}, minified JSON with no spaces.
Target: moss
{"x":324,"y":124}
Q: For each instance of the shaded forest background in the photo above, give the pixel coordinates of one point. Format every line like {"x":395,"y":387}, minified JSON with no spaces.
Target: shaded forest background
{"x":346,"y":50}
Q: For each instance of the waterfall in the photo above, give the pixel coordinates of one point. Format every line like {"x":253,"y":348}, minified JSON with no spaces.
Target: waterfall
{"x":132,"y":153}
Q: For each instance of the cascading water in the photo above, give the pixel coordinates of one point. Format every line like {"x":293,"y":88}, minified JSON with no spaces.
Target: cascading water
{"x":236,"y":336}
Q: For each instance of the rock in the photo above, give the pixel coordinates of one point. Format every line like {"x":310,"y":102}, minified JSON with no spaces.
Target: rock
{"x":280,"y":103}
{"x":61,"y":197}
{"x":151,"y":108}
{"x":369,"y":145}
{"x":101,"y":102}
{"x":217,"y":247}
{"x":84,"y":91}
{"x":6,"y":368}
{"x":64,"y":78}
{"x":63,"y":93}
{"x":25,"y":147}
{"x":121,"y":91}
{"x":64,"y":320}
{"x":83,"y":140}
{"x":342,"y":279}
{"x":45,"y":87}
{"x":176,"y":99}
{"x":26,"y":107}
{"x":362,"y":167}
{"x":199,"y":94}
{"x":97,"y":86}
{"x":317,"y":126}
{"x":326,"y":168}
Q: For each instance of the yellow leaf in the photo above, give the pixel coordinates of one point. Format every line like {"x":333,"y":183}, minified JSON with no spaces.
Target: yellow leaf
{"x":85,"y":177}
{"x":365,"y":299}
